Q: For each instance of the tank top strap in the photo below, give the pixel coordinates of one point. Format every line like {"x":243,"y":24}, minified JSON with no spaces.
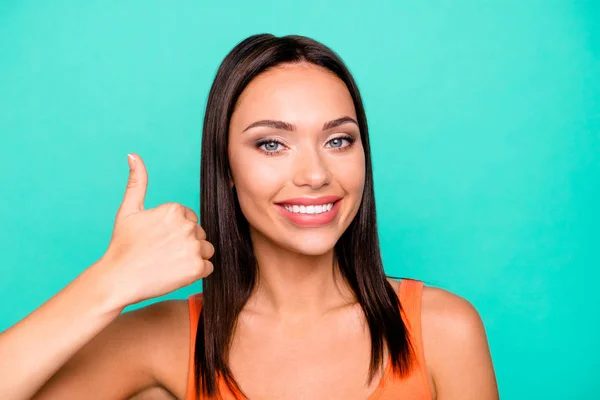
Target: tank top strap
{"x":411,"y":292}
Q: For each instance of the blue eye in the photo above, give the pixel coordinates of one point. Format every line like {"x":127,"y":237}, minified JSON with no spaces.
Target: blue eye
{"x":337,"y":140}
{"x":270,"y":146}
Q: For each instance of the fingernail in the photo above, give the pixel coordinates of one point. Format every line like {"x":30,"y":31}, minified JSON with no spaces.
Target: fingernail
{"x":131,"y":161}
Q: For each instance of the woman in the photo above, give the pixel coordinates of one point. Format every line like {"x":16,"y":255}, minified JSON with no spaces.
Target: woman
{"x":297,"y":304}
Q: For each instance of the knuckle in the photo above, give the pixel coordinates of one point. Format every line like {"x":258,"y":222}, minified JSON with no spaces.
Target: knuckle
{"x":132,"y":182}
{"x":176,"y":208}
{"x":193,"y":215}
{"x":170,"y":211}
{"x":201,"y":233}
{"x":208,"y":267}
{"x":188,"y":227}
{"x":196,"y":248}
{"x":170,"y":207}
{"x":209,"y":250}
{"x":199,"y":266}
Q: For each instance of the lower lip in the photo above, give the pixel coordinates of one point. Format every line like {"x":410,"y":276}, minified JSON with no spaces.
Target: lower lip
{"x":311,"y":220}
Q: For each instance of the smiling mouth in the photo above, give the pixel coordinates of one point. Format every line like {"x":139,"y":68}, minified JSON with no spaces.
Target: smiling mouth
{"x":309,"y":210}
{"x":312,"y":215}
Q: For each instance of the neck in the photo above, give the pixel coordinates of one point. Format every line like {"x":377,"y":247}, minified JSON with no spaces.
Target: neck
{"x":296,"y":285}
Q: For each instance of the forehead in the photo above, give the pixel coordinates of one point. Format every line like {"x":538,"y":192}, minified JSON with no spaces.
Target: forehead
{"x":302,"y":94}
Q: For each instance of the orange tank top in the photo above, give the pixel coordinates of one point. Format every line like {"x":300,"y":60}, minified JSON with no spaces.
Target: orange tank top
{"x":414,"y":386}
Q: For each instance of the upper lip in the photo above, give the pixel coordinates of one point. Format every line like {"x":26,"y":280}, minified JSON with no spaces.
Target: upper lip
{"x":311,"y":201}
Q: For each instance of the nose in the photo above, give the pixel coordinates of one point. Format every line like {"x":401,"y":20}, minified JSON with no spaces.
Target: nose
{"x":311,"y":170}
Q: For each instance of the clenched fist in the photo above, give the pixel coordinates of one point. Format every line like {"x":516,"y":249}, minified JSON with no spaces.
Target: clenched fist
{"x":156,"y":251}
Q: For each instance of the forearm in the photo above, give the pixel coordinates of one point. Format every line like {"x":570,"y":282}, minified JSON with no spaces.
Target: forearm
{"x":36,"y":347}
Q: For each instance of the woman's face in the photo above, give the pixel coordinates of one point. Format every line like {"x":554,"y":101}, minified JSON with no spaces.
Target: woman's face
{"x":300,"y":177}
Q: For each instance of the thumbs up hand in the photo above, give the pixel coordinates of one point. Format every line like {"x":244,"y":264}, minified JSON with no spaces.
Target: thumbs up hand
{"x":153,"y":252}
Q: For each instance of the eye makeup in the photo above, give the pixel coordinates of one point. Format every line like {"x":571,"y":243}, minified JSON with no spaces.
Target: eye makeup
{"x":270,"y":140}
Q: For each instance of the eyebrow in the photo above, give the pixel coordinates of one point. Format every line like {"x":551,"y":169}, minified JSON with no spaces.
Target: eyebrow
{"x":286,"y":126}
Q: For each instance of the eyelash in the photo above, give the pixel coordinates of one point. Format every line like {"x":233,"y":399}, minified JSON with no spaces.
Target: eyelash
{"x":264,"y":141}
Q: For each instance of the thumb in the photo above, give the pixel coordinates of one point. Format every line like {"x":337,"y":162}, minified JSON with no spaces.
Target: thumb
{"x":135,"y":193}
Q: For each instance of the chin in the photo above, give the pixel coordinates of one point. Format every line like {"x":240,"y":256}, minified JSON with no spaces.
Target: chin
{"x":314,"y":252}
{"x":311,"y":246}
{"x":309,"y":241}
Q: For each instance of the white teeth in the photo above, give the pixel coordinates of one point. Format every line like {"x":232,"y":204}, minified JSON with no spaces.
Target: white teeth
{"x":309,"y":209}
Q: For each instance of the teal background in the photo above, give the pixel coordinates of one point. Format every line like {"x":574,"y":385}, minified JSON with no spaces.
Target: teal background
{"x":485,"y":129}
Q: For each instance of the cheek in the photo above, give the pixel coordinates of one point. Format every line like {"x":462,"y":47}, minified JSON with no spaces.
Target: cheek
{"x":351,"y":174}
{"x":256,"y":187}
{"x":257,"y":180}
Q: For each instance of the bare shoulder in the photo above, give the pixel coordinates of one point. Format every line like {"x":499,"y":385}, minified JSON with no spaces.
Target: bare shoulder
{"x":456,"y":315}
{"x":140,"y":351}
{"x":447,"y":314}
{"x":161,"y":317}
{"x":456,"y":348}
{"x":167,"y":327}
{"x":394,"y":283}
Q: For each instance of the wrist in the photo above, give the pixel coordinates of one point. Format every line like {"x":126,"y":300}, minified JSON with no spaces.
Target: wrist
{"x":102,"y":287}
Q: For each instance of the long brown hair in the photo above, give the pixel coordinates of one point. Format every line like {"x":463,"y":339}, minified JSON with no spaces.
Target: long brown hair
{"x":227,"y":289}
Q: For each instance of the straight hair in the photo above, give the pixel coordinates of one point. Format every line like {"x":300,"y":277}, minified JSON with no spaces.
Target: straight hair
{"x":357,"y":252}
